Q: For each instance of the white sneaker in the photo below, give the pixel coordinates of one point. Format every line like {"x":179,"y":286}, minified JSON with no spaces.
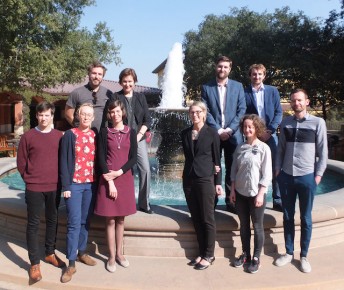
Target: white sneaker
{"x":283,"y":260}
{"x":305,"y":265}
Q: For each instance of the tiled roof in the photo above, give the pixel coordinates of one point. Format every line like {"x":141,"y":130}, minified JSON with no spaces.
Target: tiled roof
{"x":113,"y":86}
{"x":160,"y":67}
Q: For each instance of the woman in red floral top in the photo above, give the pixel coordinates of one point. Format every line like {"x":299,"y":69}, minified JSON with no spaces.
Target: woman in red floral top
{"x":77,"y":159}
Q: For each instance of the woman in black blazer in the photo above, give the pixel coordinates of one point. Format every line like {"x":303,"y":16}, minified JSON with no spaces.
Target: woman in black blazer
{"x":201,"y":183}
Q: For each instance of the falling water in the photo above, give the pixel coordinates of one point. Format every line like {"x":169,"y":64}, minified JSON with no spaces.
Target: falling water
{"x":173,"y":87}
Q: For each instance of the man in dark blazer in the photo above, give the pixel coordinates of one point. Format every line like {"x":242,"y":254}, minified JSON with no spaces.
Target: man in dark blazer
{"x":264,"y":101}
{"x":226,"y":105}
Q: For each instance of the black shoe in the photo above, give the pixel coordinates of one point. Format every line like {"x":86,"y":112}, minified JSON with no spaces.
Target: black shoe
{"x":199,"y":266}
{"x":254,"y":266}
{"x":194,"y":262}
{"x":242,"y":260}
{"x":149,"y":211}
{"x":231,"y":208}
{"x":277,"y":207}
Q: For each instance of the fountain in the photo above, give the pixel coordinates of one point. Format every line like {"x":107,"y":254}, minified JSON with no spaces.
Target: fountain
{"x":169,"y":232}
{"x":171,"y":116}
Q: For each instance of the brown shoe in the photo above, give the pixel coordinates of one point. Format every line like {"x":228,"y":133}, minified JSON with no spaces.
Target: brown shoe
{"x":67,"y":275}
{"x":54,"y":260}
{"x":86,"y":259}
{"x":35,"y":273}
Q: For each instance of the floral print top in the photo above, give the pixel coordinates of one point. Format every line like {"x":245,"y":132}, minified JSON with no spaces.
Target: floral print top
{"x":85,"y":149}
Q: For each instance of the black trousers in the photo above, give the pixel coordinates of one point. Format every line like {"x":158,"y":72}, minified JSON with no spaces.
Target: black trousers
{"x":247,"y":210}
{"x":35,"y":202}
{"x":200,"y":196}
{"x":228,"y":149}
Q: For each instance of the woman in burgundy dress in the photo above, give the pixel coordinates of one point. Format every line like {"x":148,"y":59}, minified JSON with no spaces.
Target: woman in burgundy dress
{"x":117,"y":151}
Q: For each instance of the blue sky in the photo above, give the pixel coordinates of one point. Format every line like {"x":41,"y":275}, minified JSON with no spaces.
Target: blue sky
{"x":147,"y":29}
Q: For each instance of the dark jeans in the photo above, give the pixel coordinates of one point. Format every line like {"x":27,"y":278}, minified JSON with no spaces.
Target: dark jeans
{"x":276,"y":195}
{"x":199,"y":194}
{"x":79,"y":210}
{"x":304,"y":187}
{"x":228,"y":149}
{"x":35,"y":202}
{"x":247,"y":210}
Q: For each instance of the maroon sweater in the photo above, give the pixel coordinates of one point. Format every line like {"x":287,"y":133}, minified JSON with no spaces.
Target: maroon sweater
{"x":37,"y":159}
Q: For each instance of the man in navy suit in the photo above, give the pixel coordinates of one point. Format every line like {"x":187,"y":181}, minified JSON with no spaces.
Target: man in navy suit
{"x":226,"y":104}
{"x":264,"y":101}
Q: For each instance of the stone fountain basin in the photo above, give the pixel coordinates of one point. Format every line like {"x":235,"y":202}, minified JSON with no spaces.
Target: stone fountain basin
{"x":169,"y":232}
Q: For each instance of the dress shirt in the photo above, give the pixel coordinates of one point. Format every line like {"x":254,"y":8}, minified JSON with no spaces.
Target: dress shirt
{"x":259,"y":97}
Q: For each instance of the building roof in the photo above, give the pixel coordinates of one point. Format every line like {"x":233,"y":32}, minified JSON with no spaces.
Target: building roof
{"x":160,"y":67}
{"x":67,"y":88}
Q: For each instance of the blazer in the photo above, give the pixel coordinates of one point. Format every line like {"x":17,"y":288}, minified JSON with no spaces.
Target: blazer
{"x":201,"y":160}
{"x":235,"y":107}
{"x":272,"y":106}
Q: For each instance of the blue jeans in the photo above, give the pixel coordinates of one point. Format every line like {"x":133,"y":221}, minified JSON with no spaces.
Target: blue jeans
{"x":79,"y":210}
{"x":304,"y":187}
{"x":272,"y":143}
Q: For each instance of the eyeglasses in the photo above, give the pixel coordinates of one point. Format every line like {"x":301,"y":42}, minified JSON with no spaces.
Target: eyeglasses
{"x":94,"y":95}
{"x":89,"y":116}
{"x":195,"y":112}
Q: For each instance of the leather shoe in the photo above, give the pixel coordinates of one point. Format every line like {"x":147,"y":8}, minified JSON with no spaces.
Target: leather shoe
{"x":111,"y":268}
{"x":86,"y":259}
{"x":35,"y":273}
{"x":195,"y":261}
{"x":67,"y":275}
{"x":124,"y":263}
{"x":199,"y":266}
{"x":54,"y":260}
{"x":149,"y":211}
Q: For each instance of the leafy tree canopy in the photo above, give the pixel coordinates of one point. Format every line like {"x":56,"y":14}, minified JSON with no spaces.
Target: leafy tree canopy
{"x":296,"y":50}
{"x":41,"y":43}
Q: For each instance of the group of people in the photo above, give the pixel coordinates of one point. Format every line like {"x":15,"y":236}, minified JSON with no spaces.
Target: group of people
{"x":90,"y":166}
{"x":244,"y":123}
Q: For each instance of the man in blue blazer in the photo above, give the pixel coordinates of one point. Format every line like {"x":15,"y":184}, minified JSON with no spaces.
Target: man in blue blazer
{"x":264,"y":101}
{"x":226,"y":104}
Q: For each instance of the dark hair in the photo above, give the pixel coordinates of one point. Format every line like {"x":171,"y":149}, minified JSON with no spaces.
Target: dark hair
{"x":294,"y":91}
{"x":114,"y":104}
{"x":45,"y":106}
{"x":258,"y":124}
{"x":257,"y":66}
{"x":94,"y":64}
{"x":224,"y":58}
{"x":127,"y":72}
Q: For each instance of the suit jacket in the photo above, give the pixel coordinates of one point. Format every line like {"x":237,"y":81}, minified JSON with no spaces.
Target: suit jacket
{"x":201,"y":160}
{"x":234,"y":110}
{"x":272,"y":106}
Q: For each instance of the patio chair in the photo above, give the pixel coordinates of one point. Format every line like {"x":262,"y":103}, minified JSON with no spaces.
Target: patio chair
{"x":5,"y":146}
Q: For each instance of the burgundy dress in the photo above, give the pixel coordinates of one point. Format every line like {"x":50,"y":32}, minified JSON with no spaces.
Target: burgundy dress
{"x":118,"y":144}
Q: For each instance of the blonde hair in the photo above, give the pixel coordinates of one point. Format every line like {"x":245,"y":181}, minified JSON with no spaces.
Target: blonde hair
{"x":85,"y":105}
{"x":201,"y":105}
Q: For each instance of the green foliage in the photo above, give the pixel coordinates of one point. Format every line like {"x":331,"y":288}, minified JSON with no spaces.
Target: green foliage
{"x":296,"y":50}
{"x":41,"y":43}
